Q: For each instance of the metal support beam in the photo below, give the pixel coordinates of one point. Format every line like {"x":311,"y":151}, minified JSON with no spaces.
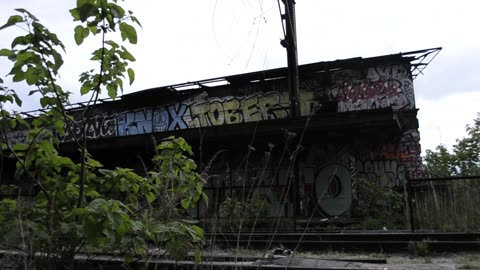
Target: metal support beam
{"x":290,"y":43}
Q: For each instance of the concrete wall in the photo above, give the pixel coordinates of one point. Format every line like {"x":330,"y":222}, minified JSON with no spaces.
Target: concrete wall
{"x":385,"y":163}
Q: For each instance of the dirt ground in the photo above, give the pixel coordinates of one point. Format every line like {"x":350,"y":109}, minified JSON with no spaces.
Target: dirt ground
{"x":324,"y":260}
{"x":394,"y":261}
{"x":461,"y":260}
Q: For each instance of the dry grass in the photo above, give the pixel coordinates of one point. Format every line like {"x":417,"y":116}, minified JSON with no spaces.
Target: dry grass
{"x":448,"y":206}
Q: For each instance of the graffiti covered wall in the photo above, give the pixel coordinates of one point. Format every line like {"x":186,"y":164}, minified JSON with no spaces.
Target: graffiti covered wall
{"x":328,"y":174}
{"x":347,"y":89}
{"x":198,"y":112}
{"x":388,"y":164}
{"x":341,"y":90}
{"x":379,"y":87}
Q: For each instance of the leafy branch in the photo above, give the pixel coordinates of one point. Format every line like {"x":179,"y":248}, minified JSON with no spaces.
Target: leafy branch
{"x":84,"y":206}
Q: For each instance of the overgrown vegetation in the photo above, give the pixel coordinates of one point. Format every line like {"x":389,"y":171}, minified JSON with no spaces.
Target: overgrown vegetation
{"x":379,"y":207}
{"x":451,"y":205}
{"x":250,"y":213}
{"x":448,"y":206}
{"x":80,"y":206}
{"x":468,"y":261}
{"x":419,"y":249}
{"x":463,"y":160}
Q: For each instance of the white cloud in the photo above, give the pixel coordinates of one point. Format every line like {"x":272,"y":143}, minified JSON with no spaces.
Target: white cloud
{"x":443,"y":120}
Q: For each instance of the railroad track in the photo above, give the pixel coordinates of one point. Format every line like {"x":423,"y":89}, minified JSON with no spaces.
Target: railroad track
{"x":348,"y":241}
{"x":212,"y":261}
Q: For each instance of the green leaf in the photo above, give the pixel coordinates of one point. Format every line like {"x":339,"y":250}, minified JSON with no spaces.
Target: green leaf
{"x":131,"y":75}
{"x":120,"y":83}
{"x":79,"y":211}
{"x":33,"y":92}
{"x":121,"y":229}
{"x":92,"y":193}
{"x":117,"y":11}
{"x":21,"y":120}
{"x":18,"y":101}
{"x":54,"y":39}
{"x":20,"y":147}
{"x":85,"y":9}
{"x":97,"y":55}
{"x":198,"y":231}
{"x":198,"y":256}
{"x":112,"y":90}
{"x":150,"y":197}
{"x":18,"y":76}
{"x":58,"y":60}
{"x":125,"y":54}
{"x":75,"y":14}
{"x":93,"y":29}
{"x":93,"y":163}
{"x":45,"y":101}
{"x":6,"y":52}
{"x":86,"y":87}
{"x":135,"y":20}
{"x":112,"y":43}
{"x":22,"y":10}
{"x":14,"y":19}
{"x":7,"y":98}
{"x":199,"y":187}
{"x":128,"y":32}
{"x":22,"y":40}
{"x":96,"y":204}
{"x":185,"y":203}
{"x":13,"y":124}
{"x":59,"y":127}
{"x":32,"y":76}
{"x":80,"y":34}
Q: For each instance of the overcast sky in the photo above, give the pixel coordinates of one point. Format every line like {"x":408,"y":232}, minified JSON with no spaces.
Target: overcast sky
{"x":188,"y":40}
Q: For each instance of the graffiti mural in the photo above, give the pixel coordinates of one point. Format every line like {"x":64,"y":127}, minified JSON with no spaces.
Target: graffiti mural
{"x":387,"y":164}
{"x":134,"y":122}
{"x":382,"y":87}
{"x":340,"y":90}
{"x":410,"y":149}
{"x":197,"y":113}
{"x":351,"y":90}
{"x":271,"y":105}
{"x":100,"y":126}
{"x":170,"y":118}
{"x":221,"y":111}
{"x":382,"y":172}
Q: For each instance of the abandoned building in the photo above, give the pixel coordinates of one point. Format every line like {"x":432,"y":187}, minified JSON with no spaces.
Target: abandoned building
{"x":358,"y":120}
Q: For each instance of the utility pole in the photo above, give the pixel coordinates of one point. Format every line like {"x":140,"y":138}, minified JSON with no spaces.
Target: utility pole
{"x":290,"y":43}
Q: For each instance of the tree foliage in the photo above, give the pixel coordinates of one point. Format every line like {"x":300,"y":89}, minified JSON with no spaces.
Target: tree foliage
{"x":463,"y":160}
{"x":82,"y":206}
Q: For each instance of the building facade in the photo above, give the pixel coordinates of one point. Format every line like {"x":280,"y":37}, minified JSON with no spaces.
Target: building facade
{"x":358,"y":122}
